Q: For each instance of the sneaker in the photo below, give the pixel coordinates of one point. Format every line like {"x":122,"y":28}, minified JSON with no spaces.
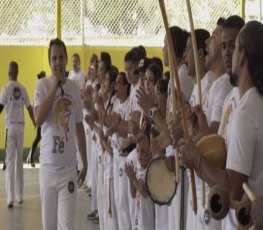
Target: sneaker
{"x":10,"y":205}
{"x":93,"y":214}
{"x":87,"y":189}
{"x":84,"y":187}
{"x":33,"y":163}
{"x":96,"y":219}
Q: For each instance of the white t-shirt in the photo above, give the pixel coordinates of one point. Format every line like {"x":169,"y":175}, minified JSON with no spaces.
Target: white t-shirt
{"x":216,"y":97}
{"x":91,"y":83}
{"x":186,"y":82}
{"x":58,"y":146}
{"x":230,"y":105}
{"x":123,"y":110}
{"x":108,"y":159}
{"x":134,"y":106}
{"x":144,"y":207}
{"x":205,"y":86}
{"x":14,"y":96}
{"x":78,"y":77}
{"x":245,"y":142}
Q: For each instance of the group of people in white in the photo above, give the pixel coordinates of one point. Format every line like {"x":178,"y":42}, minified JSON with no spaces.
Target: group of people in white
{"x":128,"y":121}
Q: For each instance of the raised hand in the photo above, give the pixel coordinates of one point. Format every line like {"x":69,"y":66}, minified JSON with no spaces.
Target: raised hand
{"x":201,"y":120}
{"x":130,"y":171}
{"x":144,"y":101}
{"x":189,"y":155}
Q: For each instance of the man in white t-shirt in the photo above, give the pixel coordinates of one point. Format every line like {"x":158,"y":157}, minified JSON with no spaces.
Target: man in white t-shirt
{"x":131,"y":60}
{"x":197,"y":221}
{"x":77,"y":75}
{"x":179,"y":39}
{"x":14,"y":97}
{"x":245,"y":130}
{"x":209,"y":118}
{"x":231,"y":28}
{"x":205,"y":76}
{"x":58,"y":111}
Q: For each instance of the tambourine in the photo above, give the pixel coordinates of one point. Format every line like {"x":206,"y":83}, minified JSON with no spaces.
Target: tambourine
{"x":160,"y":182}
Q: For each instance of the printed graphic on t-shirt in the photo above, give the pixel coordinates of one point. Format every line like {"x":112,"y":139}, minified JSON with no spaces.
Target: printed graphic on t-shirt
{"x":16,"y":93}
{"x":63,"y":111}
{"x":226,"y":118}
{"x":206,"y":216}
{"x":71,"y":187}
{"x":205,"y":102}
{"x":121,"y":172}
{"x":16,"y":97}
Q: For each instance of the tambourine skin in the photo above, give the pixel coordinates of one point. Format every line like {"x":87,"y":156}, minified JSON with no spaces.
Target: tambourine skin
{"x":160,"y":182}
{"x":214,"y":149}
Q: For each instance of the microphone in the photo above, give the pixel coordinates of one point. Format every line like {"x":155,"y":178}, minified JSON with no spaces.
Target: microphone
{"x":60,"y":86}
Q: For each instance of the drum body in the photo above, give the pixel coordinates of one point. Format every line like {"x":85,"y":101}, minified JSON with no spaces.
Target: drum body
{"x":160,"y":182}
{"x":213,"y":147}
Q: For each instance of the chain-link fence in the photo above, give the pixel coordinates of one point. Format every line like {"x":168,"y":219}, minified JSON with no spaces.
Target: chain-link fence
{"x":104,"y":22}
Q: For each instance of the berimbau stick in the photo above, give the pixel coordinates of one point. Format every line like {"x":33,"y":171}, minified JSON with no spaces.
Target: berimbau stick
{"x":179,"y":94}
{"x":198,"y":75}
{"x":249,"y":193}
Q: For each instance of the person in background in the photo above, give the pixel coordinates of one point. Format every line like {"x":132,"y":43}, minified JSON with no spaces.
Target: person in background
{"x":77,"y":75}
{"x":30,"y":157}
{"x":13,"y":97}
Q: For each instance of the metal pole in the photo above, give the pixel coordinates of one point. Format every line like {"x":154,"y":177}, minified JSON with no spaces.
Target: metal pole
{"x":58,"y":18}
{"x":242,"y":8}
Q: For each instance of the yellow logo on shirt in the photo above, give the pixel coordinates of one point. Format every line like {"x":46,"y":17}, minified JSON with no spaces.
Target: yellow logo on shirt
{"x":63,"y":111}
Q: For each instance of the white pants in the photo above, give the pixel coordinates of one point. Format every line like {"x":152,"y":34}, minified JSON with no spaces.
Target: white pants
{"x":100,"y":186}
{"x":58,"y":193}
{"x":191,"y":217}
{"x":124,"y":217}
{"x":230,"y":221}
{"x":89,"y":153}
{"x":161,"y":217}
{"x":110,"y":213}
{"x":94,"y":175}
{"x":14,"y":164}
{"x":132,"y":158}
{"x":116,"y":170}
{"x":201,"y":221}
{"x":174,"y":210}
